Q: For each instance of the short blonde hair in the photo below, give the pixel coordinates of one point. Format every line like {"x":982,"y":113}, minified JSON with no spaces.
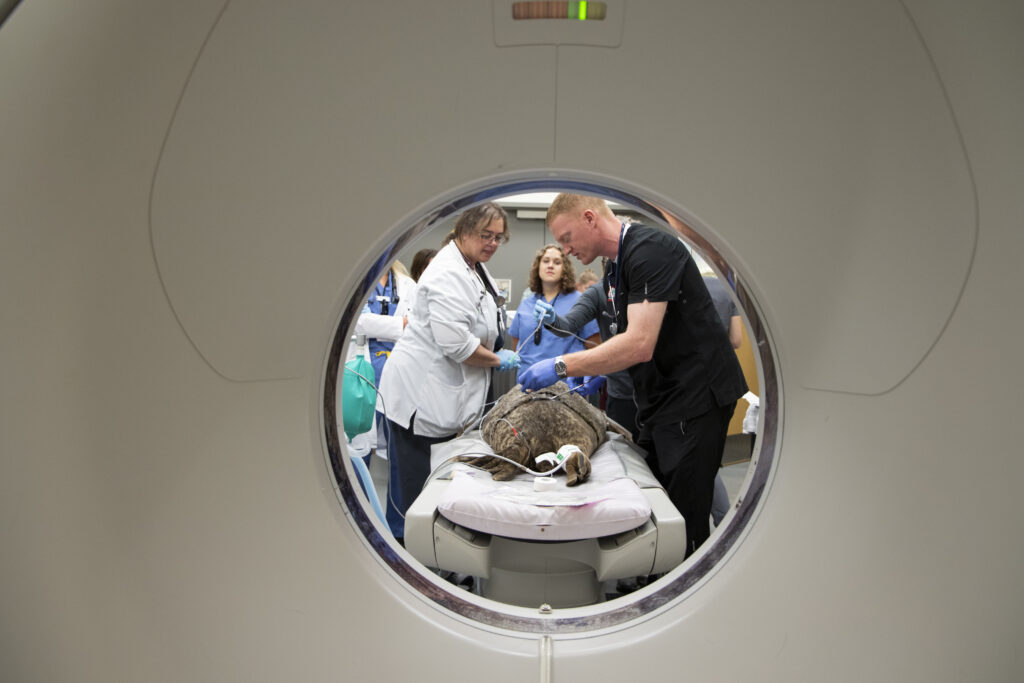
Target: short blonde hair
{"x":567,"y":202}
{"x":587,"y":277}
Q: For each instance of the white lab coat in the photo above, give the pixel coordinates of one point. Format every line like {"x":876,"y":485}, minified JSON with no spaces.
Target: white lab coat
{"x":389,"y":327}
{"x":383,"y":328}
{"x":453,"y":313}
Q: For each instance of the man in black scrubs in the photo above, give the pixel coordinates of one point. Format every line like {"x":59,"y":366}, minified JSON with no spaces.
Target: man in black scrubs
{"x":666,"y":331}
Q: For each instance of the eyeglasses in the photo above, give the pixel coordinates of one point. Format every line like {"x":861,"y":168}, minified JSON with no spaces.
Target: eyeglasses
{"x":487,"y":237}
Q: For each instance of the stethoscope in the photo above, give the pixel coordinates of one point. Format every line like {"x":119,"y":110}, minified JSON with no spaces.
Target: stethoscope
{"x":499,"y":304}
{"x":613,"y":328}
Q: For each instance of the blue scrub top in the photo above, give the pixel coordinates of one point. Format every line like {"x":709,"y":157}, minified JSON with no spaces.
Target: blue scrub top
{"x":380,"y":349}
{"x":551,"y":344}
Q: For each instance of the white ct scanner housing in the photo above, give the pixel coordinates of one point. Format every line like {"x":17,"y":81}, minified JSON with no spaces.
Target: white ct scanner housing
{"x":193,"y":197}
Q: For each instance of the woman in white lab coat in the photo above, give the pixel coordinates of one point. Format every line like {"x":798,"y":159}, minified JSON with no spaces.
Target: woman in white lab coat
{"x":386,"y":314}
{"x":435,"y":382}
{"x":383,"y":320}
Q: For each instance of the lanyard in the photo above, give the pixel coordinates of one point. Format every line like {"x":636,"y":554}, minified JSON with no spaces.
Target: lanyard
{"x":386,"y":296}
{"x":613,"y":288}
{"x":499,"y":302}
{"x":540,"y":328}
{"x":388,"y":288}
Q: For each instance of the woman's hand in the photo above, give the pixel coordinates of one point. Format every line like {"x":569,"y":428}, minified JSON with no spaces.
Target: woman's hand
{"x":509,"y":360}
{"x":543,"y":311}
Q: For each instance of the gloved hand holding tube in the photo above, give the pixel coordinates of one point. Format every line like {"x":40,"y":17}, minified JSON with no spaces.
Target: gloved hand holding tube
{"x":539,"y":375}
{"x":509,"y":360}
{"x":543,"y":311}
{"x":585,"y":386}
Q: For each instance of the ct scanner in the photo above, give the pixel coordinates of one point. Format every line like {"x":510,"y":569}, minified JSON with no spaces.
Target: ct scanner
{"x":193,"y":195}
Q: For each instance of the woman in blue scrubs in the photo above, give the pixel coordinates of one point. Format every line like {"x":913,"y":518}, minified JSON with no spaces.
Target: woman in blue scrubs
{"x":551,"y":278}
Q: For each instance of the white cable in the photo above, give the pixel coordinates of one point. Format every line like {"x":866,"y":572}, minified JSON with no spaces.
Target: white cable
{"x":479,"y":416}
{"x":387,"y":434}
{"x":387,"y":439}
{"x":558,"y":396}
{"x":524,"y":468}
{"x":529,"y":336}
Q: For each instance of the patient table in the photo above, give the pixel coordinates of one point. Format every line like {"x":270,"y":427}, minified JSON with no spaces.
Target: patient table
{"x":553,"y":547}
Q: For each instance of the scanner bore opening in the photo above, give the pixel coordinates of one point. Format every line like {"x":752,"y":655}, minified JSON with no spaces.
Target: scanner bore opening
{"x":425,"y":232}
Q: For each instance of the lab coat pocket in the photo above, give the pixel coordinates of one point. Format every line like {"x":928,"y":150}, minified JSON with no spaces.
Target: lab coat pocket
{"x":442,"y":392}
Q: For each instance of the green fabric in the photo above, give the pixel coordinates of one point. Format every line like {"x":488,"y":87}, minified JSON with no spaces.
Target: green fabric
{"x":358,"y":397}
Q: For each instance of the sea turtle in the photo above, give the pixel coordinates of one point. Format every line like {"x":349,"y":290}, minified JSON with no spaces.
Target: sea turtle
{"x":522,"y":426}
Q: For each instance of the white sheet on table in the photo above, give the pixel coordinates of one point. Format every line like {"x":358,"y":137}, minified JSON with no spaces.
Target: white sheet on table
{"x":608,"y":503}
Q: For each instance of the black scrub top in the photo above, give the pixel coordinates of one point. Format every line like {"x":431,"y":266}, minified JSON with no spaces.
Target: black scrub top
{"x":694,"y":367}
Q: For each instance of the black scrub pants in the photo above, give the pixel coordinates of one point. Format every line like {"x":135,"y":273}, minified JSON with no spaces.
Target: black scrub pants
{"x":410,"y":455}
{"x":623,"y":411}
{"x":685,"y":457}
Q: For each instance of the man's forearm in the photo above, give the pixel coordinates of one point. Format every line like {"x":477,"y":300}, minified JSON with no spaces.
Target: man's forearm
{"x":635,"y":345}
{"x":617,"y":353}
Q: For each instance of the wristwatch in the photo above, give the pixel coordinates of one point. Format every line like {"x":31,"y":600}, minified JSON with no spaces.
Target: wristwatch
{"x":560,"y":367}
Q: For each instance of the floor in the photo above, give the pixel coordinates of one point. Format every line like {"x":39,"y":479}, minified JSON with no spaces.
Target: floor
{"x":733,"y":476}
{"x":379,"y":473}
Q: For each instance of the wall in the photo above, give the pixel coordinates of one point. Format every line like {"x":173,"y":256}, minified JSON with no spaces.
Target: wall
{"x":512,"y":260}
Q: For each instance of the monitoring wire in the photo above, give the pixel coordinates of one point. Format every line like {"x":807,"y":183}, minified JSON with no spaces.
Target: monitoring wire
{"x":471,"y":425}
{"x":386,"y":433}
{"x":540,"y":323}
{"x":521,"y":466}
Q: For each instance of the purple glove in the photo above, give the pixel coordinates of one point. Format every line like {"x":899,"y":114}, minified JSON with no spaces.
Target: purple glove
{"x":543,"y":311}
{"x":539,"y":375}
{"x":585,"y":386}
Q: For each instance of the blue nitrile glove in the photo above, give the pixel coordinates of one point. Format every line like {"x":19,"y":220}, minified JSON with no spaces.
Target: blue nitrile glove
{"x":543,"y":311}
{"x":509,"y":360}
{"x":539,"y":375}
{"x":585,"y":386}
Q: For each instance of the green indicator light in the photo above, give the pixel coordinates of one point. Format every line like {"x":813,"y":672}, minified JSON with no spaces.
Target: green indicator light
{"x":574,"y":10}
